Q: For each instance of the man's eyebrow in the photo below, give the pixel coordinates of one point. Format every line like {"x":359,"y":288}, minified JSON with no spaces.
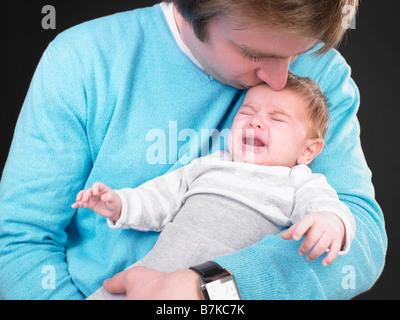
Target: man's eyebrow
{"x":260,"y":54}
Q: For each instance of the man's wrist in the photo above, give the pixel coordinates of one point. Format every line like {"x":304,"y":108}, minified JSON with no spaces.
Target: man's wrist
{"x":193,"y":279}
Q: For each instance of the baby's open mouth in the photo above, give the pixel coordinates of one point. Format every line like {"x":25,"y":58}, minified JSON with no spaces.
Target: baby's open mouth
{"x":254,"y":142}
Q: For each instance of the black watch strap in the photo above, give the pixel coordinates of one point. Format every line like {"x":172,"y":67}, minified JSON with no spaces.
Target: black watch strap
{"x":217,"y":279}
{"x":210,"y":271}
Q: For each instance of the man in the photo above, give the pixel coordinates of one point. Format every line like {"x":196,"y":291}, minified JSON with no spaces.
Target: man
{"x":101,"y":87}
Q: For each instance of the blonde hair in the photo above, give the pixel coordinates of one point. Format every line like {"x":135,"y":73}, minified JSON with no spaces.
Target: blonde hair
{"x":317,"y":103}
{"x":318,"y":19}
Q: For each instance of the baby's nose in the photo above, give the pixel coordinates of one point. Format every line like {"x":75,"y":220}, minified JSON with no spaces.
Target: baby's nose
{"x":257,"y":123}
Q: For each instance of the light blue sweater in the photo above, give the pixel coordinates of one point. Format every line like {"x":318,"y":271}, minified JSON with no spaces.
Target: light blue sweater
{"x":98,"y":90}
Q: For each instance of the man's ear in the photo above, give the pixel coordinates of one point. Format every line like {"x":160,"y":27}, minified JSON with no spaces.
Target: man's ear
{"x":312,"y":149}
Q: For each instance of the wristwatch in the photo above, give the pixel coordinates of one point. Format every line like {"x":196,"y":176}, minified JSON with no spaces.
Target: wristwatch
{"x":216,"y":283}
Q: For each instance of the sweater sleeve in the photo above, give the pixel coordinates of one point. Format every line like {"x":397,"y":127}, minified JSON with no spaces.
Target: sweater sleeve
{"x":48,"y":163}
{"x":152,"y":205}
{"x":272,"y":268}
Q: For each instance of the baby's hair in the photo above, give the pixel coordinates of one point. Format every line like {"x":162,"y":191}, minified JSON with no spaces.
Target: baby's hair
{"x":317,"y":102}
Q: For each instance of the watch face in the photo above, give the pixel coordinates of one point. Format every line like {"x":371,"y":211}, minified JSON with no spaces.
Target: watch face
{"x":223,"y":289}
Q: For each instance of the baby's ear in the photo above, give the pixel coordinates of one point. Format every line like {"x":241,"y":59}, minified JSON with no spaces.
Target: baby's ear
{"x":312,"y":149}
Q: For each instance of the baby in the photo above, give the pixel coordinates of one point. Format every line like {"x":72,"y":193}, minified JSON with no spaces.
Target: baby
{"x":227,"y":201}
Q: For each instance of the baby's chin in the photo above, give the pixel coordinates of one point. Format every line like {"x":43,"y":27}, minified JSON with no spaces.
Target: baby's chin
{"x":247,"y":158}
{"x":244,"y":151}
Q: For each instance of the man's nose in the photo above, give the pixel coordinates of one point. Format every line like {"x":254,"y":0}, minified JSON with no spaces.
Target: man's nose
{"x":274,"y":72}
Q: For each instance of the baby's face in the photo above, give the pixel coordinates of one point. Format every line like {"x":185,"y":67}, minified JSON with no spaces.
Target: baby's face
{"x":271,"y":128}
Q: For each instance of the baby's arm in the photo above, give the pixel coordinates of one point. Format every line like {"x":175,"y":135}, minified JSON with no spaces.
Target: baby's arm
{"x":318,"y":214}
{"x":101,"y":199}
{"x":148,"y":207}
{"x":323,"y":230}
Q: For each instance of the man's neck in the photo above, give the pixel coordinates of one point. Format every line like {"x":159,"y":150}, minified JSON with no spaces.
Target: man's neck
{"x":175,"y":21}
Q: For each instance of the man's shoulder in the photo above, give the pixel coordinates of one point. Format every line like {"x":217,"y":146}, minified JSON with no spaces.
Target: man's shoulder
{"x":110,"y":30}
{"x":321,"y":68}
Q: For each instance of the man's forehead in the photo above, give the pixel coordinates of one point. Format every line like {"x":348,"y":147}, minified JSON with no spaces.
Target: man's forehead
{"x":267,"y":42}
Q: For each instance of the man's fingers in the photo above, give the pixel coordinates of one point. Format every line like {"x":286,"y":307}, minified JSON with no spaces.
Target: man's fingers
{"x":116,"y":283}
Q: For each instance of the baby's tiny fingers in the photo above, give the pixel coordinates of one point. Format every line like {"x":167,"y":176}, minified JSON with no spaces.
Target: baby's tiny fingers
{"x":320,"y":247}
{"x":107,"y":197}
{"x":99,"y":187}
{"x":288,"y":234}
{"x":332,"y":254}
{"x":78,"y":204}
{"x":87,"y":194}
{"x":79,"y":195}
{"x":95,"y":188}
{"x":312,"y":237}
{"x":303,"y":226}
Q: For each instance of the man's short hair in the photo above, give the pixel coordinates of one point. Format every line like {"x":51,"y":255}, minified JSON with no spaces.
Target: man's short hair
{"x":318,"y":19}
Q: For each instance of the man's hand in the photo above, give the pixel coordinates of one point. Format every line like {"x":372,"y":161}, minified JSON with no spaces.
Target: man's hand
{"x":323,"y":230}
{"x":141,"y":283}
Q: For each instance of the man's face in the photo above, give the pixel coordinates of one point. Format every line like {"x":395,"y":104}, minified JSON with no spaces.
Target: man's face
{"x":271,"y":128}
{"x":244,"y":58}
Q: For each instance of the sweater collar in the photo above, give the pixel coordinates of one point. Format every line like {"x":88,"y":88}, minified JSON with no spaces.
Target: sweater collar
{"x":167,"y":9}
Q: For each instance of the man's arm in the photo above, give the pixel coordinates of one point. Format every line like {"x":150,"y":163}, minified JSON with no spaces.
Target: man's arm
{"x":48,"y":163}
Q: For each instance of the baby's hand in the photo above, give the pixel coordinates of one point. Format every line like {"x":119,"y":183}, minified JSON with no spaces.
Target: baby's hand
{"x":101,"y":199}
{"x":323,"y":230}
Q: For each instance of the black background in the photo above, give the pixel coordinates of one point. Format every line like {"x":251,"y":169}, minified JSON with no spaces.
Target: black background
{"x":369,"y":49}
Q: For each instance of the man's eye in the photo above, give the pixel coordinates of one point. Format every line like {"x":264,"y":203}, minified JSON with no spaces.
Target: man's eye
{"x":251,"y":57}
